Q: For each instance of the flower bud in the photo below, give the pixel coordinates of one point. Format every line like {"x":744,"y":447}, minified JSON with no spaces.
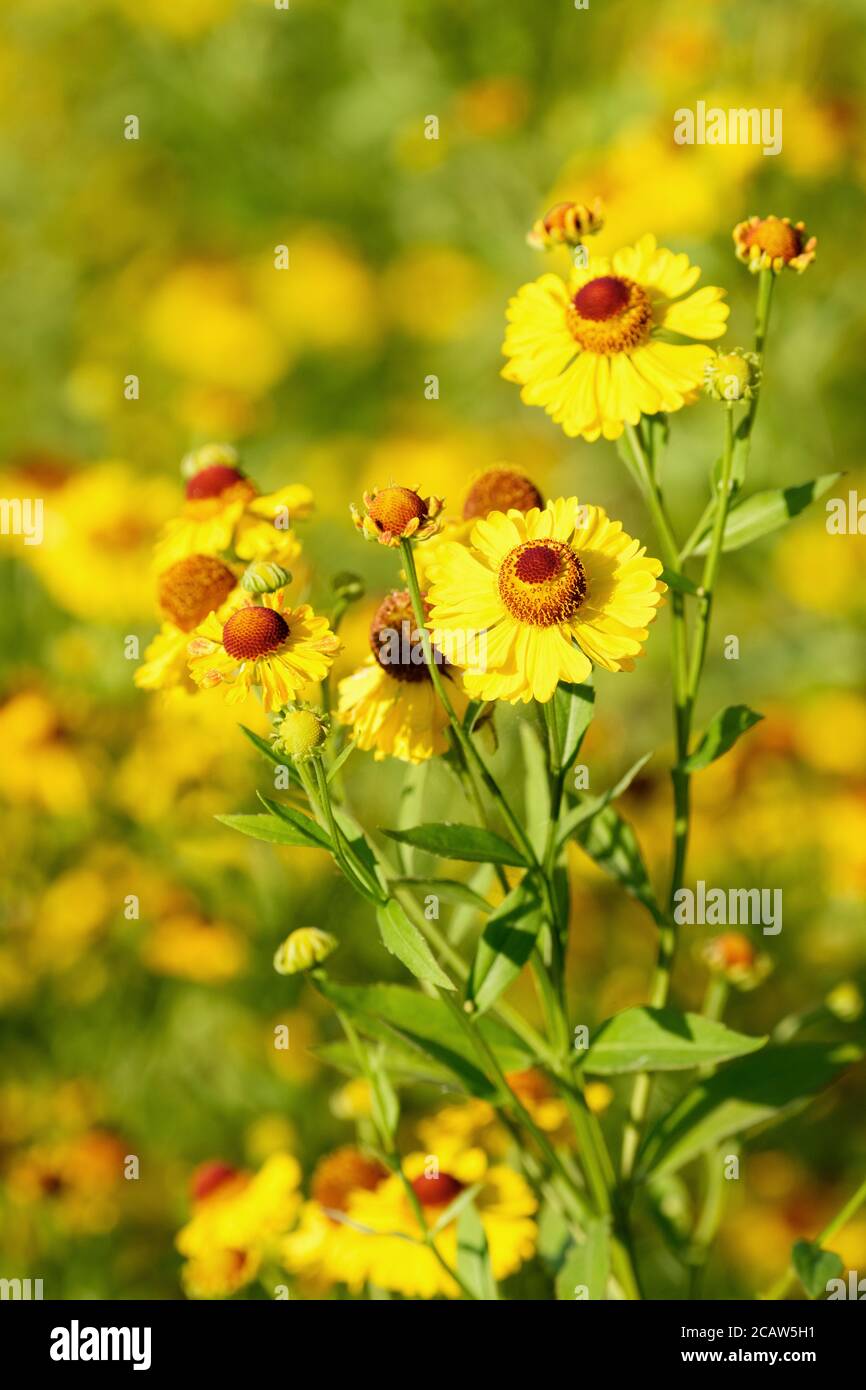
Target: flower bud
{"x":208,"y":456}
{"x":264,"y":577}
{"x":733,"y":376}
{"x":301,"y":732}
{"x":348,"y":586}
{"x":303,"y":949}
{"x":394,"y":514}
{"x":566,"y":224}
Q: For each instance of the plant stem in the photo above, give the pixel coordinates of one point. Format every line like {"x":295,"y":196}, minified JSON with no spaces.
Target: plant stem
{"x":841,"y":1219}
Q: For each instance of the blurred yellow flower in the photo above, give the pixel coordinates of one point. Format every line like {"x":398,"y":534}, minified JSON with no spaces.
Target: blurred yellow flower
{"x":41,"y":765}
{"x":326,"y":301}
{"x":191,"y":948}
{"x":432,"y":291}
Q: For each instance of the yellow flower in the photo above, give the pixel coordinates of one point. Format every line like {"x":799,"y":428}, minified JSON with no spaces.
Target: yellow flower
{"x":302,"y":949}
{"x":223,"y":511}
{"x":592,"y":351}
{"x":190,"y":948}
{"x":187,"y":592}
{"x":539,"y":598}
{"x":41,"y":765}
{"x":774,"y":243}
{"x":566,"y":224}
{"x":390,"y":701}
{"x":237,"y":1222}
{"x":504,"y":1203}
{"x":324,"y":1250}
{"x":278,"y":648}
{"x":301,"y":732}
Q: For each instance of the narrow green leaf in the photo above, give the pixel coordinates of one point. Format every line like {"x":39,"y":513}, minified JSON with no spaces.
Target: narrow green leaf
{"x":386,"y":1106}
{"x":573,"y":706}
{"x":428,"y":1025}
{"x":452,"y":841}
{"x":612,"y":843}
{"x":451,"y":889}
{"x":403,"y":939}
{"x":341,"y":758}
{"x":585,"y":1270}
{"x":815,"y":1267}
{"x":509,"y":937}
{"x":681,"y":582}
{"x":722,"y":733}
{"x":766,"y":511}
{"x":644,"y":1039}
{"x":305,"y":825}
{"x":405,"y":1065}
{"x":271,"y":829}
{"x":473,"y":1256}
{"x":751,"y":1091}
{"x":536,"y":787}
{"x":454,"y":1208}
{"x":265,"y":748}
{"x":592,"y":805}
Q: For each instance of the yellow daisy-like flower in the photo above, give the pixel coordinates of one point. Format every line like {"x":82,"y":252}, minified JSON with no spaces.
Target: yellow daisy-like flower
{"x":187,"y":592}
{"x":393,"y":514}
{"x":504,"y":1203}
{"x":390,"y":701}
{"x":539,"y":598}
{"x":267,"y":644}
{"x":237,"y":1221}
{"x":324,"y":1250}
{"x":594,"y":352}
{"x":774,"y":243}
{"x":223,"y":510}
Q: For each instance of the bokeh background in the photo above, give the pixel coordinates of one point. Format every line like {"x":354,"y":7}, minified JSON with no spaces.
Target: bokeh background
{"x":154,"y":1036}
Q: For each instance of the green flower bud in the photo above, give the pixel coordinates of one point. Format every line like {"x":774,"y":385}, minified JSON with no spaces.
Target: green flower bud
{"x":303,"y":949}
{"x":264,"y":577}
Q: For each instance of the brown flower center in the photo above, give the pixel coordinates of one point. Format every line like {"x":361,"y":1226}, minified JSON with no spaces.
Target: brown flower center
{"x":252,"y":632}
{"x":435,"y":1192}
{"x":542,"y":583}
{"x":778,"y":239}
{"x":343,"y":1172}
{"x":193,"y":587}
{"x":395,"y":641}
{"x":610,"y":314}
{"x":394,"y":508}
{"x":213,"y":481}
{"x":499,"y":490}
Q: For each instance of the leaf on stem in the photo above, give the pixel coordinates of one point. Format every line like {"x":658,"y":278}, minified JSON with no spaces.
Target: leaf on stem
{"x":585,"y":1270}
{"x":451,"y":841}
{"x":742,"y":1095}
{"x":764,"y":512}
{"x":304,"y":825}
{"x":645,"y":1039}
{"x":721,"y":735}
{"x":403,"y":939}
{"x":592,"y":805}
{"x":451,"y":889}
{"x":276,"y":831}
{"x":573,"y":707}
{"x":815,"y":1267}
{"x":507,"y":943}
{"x":473,"y":1256}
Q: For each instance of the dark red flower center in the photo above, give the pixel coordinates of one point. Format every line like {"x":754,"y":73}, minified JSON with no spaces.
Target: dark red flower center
{"x":602,"y":298}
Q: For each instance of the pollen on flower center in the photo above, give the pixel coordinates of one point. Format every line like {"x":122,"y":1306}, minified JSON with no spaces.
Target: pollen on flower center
{"x":778,"y":238}
{"x":192,"y":588}
{"x":498,"y":490}
{"x":213,"y":481}
{"x":394,"y":508}
{"x":254,"y":631}
{"x":435,"y":1192}
{"x":542,"y":583}
{"x":343,"y":1172}
{"x":610,"y":314}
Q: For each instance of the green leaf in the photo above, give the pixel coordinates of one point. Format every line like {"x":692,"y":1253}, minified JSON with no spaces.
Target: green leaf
{"x":536,"y":788}
{"x":722,"y":733}
{"x":506,"y":945}
{"x":428,"y":1025}
{"x":591,"y":806}
{"x":766,"y":511}
{"x":451,"y":889}
{"x":680,"y":582}
{"x":403,"y":939}
{"x":585,"y":1270}
{"x":573,"y":707}
{"x":405,"y":1065}
{"x":266,"y":748}
{"x":473,"y":1256}
{"x":747,"y":1093}
{"x":644,"y":1039}
{"x":612,"y":843}
{"x":815,"y":1267}
{"x":386,"y":1106}
{"x":410,"y":809}
{"x":454,"y":1208}
{"x":452,"y":841}
{"x":340,"y":759}
{"x":305,"y":825}
{"x":269,"y":828}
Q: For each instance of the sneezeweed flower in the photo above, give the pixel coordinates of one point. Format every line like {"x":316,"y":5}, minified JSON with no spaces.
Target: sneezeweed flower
{"x":390,"y":701}
{"x":733,"y":376}
{"x":535,"y":1092}
{"x":187,"y":947}
{"x":774,"y":243}
{"x":224,"y":511}
{"x":187,"y":592}
{"x":551,"y":593}
{"x":497,"y":489}
{"x":301,"y":733}
{"x":594,"y":352}
{"x":323,"y":1250}
{"x":566,"y":224}
{"x":238,"y":1220}
{"x":303,"y":949}
{"x":265,"y":644}
{"x":394,"y":514}
{"x":504,"y":1202}
{"x":733,"y":955}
